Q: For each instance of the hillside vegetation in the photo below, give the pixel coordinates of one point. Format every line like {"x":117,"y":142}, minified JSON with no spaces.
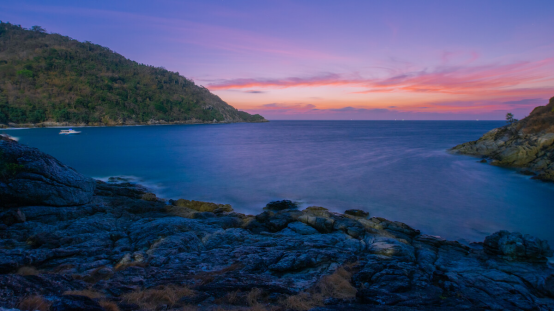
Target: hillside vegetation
{"x":50,"y":79}
{"x":540,"y":119}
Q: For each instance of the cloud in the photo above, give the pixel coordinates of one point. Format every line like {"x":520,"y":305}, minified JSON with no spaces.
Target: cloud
{"x":255,"y":91}
{"x":533,"y":102}
{"x":275,"y":111}
{"x":515,"y":79}
{"x":282,"y":108}
{"x":325,"y":79}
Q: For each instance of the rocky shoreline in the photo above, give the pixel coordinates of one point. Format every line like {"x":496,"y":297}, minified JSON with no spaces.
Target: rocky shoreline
{"x":508,"y":147}
{"x":68,"y":242}
{"x":527,"y":144}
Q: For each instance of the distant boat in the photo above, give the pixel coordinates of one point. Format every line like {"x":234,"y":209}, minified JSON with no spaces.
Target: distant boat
{"x":70,"y":131}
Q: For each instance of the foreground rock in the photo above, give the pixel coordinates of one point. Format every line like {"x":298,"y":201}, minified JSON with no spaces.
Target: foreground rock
{"x":129,"y":250}
{"x":30,"y":177}
{"x":527,"y":144}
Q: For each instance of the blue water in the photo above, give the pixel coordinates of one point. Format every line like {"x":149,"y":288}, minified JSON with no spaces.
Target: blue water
{"x":399,"y":170}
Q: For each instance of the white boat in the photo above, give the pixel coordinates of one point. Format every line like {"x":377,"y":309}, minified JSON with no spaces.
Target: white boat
{"x":70,"y":131}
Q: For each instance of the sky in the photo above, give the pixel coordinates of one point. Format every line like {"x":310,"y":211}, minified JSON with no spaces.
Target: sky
{"x":327,"y":60}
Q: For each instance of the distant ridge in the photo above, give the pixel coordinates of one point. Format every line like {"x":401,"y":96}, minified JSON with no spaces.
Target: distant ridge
{"x":53,"y":80}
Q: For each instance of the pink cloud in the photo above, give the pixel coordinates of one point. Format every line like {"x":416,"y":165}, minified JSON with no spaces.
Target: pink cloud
{"x":452,"y":110}
{"x":326,"y":79}
{"x":505,"y":79}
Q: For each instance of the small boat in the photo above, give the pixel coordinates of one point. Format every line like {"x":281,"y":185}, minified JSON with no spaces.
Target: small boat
{"x":70,"y":131}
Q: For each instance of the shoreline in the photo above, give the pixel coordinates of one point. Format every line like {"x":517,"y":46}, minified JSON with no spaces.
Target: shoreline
{"x":85,"y":244}
{"x":33,"y":126}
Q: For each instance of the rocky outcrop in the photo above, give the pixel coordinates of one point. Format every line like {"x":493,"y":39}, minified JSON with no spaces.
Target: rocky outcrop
{"x":515,"y":246}
{"x":527,"y":144}
{"x":30,"y":177}
{"x":126,"y":244}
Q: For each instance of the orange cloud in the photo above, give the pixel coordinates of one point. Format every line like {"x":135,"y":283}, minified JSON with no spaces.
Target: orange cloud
{"x":520,"y":78}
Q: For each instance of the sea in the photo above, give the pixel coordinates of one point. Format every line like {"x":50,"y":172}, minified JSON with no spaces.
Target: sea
{"x":399,"y":170}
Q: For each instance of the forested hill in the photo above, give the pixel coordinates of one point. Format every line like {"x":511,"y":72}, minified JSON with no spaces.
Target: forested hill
{"x":50,"y":79}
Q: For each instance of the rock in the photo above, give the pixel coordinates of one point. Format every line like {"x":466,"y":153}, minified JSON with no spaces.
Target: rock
{"x":30,"y":177}
{"x":118,"y":179}
{"x":149,"y":197}
{"x":6,"y":137}
{"x":349,"y":226}
{"x":302,"y":228}
{"x":280,"y":205}
{"x":357,"y":213}
{"x":125,"y":189}
{"x":528,"y":143}
{"x":517,"y":247}
{"x":75,"y":303}
{"x":203,"y":253}
{"x":13,"y":216}
{"x":526,"y":172}
{"x":321,"y":224}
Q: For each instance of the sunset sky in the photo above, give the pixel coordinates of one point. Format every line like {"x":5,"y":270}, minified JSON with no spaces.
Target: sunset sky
{"x":330,"y":59}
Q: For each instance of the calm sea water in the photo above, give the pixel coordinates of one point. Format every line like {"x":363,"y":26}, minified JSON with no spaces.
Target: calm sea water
{"x":399,"y":170}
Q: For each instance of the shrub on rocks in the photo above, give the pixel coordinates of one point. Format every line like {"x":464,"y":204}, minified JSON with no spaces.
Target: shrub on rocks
{"x":108,"y":305}
{"x":34,"y":303}
{"x":27,"y":270}
{"x":149,"y":197}
{"x":92,"y":294}
{"x":202,"y":206}
{"x":150,"y":299}
{"x":336,"y":285}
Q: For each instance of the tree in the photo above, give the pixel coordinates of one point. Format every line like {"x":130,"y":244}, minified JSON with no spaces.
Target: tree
{"x":38,"y":29}
{"x":510,"y":118}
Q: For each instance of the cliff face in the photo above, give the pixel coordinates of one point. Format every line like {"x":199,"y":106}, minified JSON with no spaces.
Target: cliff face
{"x":528,"y":143}
{"x":124,"y":248}
{"x":49,"y":79}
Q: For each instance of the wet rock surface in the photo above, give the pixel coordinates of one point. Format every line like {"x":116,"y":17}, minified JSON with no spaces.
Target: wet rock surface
{"x":125,"y":247}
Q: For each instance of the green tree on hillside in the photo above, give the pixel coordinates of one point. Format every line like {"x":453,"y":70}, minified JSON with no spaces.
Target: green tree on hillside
{"x":50,"y":77}
{"x":510,"y":118}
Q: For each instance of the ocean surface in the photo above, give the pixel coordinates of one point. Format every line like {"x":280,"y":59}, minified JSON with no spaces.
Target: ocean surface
{"x":399,"y":170}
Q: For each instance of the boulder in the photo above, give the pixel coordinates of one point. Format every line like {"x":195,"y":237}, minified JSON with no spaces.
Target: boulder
{"x":280,"y":205}
{"x":30,"y":177}
{"x":302,"y":228}
{"x":349,"y":226}
{"x":517,"y":247}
